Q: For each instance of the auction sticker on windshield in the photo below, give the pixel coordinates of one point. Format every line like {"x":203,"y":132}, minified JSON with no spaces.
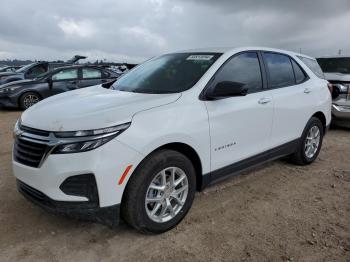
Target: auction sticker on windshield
{"x":200,"y":57}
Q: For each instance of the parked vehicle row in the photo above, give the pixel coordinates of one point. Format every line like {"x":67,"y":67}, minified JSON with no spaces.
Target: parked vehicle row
{"x":138,"y":149}
{"x":36,"y":81}
{"x":25,"y":93}
{"x":35,"y":69}
{"x":337,"y":72}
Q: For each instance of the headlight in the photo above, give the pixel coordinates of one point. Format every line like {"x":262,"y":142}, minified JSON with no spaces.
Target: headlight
{"x":86,"y":140}
{"x":9,"y":89}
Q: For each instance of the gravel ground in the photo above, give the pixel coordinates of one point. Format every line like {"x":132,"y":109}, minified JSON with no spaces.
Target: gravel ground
{"x":279,"y":212}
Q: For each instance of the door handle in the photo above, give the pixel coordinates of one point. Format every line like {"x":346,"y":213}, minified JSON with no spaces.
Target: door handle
{"x":264,"y":100}
{"x":307,"y":90}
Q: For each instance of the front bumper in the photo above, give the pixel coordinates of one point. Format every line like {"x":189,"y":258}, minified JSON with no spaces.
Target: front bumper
{"x":8,"y":102}
{"x":106,"y":164}
{"x":89,"y":211}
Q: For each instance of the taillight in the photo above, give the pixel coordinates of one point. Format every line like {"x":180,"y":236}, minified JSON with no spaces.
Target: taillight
{"x":330,"y":87}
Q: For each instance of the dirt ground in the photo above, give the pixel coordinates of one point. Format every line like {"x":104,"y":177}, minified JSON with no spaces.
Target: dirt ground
{"x":279,"y":212}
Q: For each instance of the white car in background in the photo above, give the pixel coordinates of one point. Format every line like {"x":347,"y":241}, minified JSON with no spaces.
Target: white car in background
{"x":139,"y":149}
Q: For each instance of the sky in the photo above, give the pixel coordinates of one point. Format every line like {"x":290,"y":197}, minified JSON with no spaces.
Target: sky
{"x":132,"y":31}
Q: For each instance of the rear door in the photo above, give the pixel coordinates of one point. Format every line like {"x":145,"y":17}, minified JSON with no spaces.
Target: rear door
{"x":293,"y":94}
{"x":240,"y":126}
{"x":90,"y":77}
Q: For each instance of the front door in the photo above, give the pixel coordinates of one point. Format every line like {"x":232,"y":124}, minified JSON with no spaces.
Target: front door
{"x":240,"y":127}
{"x":64,"y":80}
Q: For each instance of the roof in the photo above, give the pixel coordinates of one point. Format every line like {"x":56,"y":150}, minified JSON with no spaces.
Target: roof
{"x":239,"y":49}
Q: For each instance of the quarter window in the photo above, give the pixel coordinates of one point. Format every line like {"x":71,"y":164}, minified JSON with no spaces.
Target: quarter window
{"x":242,"y":69}
{"x":280,"y":70}
{"x":91,"y":73}
{"x":65,"y":75}
{"x":299,"y":73}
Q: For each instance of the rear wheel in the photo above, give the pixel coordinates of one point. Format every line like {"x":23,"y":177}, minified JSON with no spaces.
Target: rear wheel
{"x":310,"y":144}
{"x":160,"y":192}
{"x":28,"y":99}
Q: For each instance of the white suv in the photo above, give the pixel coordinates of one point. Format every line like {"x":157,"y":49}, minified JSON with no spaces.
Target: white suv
{"x":141,"y":147}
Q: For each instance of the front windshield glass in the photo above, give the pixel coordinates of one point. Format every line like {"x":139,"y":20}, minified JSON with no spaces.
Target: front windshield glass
{"x":171,"y":73}
{"x":24,"y":68}
{"x":335,"y":65}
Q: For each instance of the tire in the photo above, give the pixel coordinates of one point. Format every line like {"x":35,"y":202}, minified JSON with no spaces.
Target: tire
{"x":28,"y":99}
{"x":301,"y":156}
{"x":136,"y":212}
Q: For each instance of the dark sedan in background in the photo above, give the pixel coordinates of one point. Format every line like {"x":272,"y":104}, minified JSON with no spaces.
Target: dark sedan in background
{"x":25,"y":93}
{"x":35,"y":69}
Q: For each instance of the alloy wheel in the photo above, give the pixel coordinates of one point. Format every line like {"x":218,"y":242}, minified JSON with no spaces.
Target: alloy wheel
{"x":30,"y":100}
{"x":312,"y":141}
{"x":166,"y":194}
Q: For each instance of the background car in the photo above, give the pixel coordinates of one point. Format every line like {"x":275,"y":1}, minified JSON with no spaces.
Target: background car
{"x":337,"y":72}
{"x":35,"y":69}
{"x":9,"y":68}
{"x":25,"y":93}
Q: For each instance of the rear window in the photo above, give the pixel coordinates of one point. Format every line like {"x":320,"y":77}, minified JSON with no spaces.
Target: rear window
{"x":313,"y":66}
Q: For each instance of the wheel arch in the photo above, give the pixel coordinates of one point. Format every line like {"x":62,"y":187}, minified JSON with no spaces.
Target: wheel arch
{"x":321,"y":116}
{"x":187,"y":151}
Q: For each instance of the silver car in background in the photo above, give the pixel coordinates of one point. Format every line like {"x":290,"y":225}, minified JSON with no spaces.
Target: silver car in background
{"x":337,"y":71}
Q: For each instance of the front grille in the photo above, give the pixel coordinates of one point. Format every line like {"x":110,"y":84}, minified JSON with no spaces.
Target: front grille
{"x":35,"y":131}
{"x":28,"y":153}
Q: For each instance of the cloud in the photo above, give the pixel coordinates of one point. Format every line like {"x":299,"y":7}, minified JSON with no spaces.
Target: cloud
{"x":75,"y":28}
{"x":135,"y":30}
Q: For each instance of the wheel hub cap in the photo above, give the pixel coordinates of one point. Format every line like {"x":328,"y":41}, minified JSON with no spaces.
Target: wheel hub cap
{"x":166,"y":194}
{"x":312,"y":142}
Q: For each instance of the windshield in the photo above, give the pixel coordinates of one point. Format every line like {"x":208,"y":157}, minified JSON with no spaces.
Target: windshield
{"x":24,"y":68}
{"x":170,"y":73}
{"x":335,"y":65}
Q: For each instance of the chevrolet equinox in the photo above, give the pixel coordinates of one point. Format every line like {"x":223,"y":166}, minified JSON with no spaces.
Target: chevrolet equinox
{"x":139,"y":148}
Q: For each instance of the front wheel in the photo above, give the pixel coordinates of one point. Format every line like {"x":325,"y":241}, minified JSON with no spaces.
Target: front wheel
{"x":28,"y":99}
{"x":160,"y":192}
{"x":310,"y":143}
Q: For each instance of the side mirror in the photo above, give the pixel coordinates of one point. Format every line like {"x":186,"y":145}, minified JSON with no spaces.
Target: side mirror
{"x":227,"y":89}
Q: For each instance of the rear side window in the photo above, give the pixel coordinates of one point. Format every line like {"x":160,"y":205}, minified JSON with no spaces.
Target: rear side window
{"x":300,"y":76}
{"x":91,"y":73}
{"x":280,"y":70}
{"x":65,"y":74}
{"x":313,"y":66}
{"x":243,"y":69}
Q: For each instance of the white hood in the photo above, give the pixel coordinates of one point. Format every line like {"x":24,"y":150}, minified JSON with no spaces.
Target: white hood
{"x":90,"y":108}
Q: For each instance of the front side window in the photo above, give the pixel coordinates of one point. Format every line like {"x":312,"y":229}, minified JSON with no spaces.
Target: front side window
{"x":37,"y":70}
{"x":91,"y":73}
{"x":280,"y":70}
{"x":65,"y":74}
{"x":242,"y":69}
{"x":172,"y":73}
{"x":313,"y":66}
